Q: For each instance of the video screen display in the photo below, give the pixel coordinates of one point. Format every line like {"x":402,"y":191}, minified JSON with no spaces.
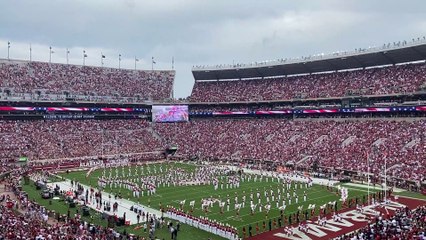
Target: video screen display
{"x":170,"y":113}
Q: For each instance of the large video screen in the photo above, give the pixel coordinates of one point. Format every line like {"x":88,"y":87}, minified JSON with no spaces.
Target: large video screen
{"x":170,"y":113}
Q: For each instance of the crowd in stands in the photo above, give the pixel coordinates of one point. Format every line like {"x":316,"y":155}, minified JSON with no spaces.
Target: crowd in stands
{"x":75,"y":138}
{"x":406,"y":224}
{"x":237,"y":108}
{"x":6,"y":166}
{"x":329,"y":143}
{"x":54,"y":165}
{"x":376,"y":81}
{"x":337,"y":143}
{"x":52,"y":78}
{"x":22,"y":218}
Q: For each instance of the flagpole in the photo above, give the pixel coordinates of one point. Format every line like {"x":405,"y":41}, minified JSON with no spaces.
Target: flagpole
{"x":8,"y":50}
{"x":50,"y":54}
{"x":152,"y":64}
{"x":84,"y":57}
{"x":119,"y":61}
{"x":68,"y":52}
{"x":135,"y":63}
{"x":102,"y":59}
{"x":30,"y":52}
{"x":173,"y":62}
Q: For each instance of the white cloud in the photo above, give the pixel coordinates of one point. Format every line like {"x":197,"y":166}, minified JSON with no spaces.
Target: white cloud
{"x":201,"y":32}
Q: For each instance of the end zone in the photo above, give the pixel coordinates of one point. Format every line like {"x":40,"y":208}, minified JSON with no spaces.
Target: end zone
{"x":352,"y":220}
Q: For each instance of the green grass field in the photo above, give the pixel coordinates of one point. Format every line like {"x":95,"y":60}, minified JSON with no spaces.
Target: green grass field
{"x":411,"y":194}
{"x":174,"y":194}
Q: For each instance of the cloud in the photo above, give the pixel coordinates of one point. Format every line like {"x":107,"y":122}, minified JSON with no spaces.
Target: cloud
{"x":263,"y":37}
{"x":201,"y":32}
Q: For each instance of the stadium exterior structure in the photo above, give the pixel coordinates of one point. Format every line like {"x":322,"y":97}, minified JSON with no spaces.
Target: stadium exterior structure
{"x":399,"y":53}
{"x":359,"y":59}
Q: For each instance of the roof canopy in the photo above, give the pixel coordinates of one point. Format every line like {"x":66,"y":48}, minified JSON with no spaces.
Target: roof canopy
{"x":362,"y":58}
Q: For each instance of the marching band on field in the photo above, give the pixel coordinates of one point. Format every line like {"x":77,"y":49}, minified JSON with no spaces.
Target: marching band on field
{"x":143,"y":180}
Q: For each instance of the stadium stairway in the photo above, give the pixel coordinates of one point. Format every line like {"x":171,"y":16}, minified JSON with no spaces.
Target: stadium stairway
{"x":320,"y":139}
{"x":236,"y":154}
{"x":304,"y":159}
{"x":294,"y":138}
{"x":348,"y":141}
{"x":378,"y":142}
{"x":155,"y":134}
{"x":392,"y":167}
{"x":412,"y":143}
{"x":269,"y":137}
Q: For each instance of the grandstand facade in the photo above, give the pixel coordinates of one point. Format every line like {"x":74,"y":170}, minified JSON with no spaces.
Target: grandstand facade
{"x":23,"y":80}
{"x":353,"y":115}
{"x":328,"y":113}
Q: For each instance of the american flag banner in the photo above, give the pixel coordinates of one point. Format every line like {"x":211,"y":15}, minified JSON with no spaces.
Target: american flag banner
{"x":67,"y":109}
{"x":274,"y":112}
{"x":372,"y":109}
{"x":320,"y":111}
{"x":17,"y":108}
{"x":421,"y":108}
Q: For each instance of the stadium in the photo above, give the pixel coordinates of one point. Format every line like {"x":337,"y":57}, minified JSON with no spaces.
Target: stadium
{"x":327,"y":146}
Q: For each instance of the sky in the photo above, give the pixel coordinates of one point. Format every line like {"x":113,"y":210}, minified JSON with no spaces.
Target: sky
{"x":200,"y":32}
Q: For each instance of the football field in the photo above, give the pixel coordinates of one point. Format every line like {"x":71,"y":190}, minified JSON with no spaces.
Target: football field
{"x":173,"y":194}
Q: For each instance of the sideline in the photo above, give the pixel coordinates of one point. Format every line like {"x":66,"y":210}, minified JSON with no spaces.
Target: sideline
{"x":395,"y":190}
{"x":124,"y":204}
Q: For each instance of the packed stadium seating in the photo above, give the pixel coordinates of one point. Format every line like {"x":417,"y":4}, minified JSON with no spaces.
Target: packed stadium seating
{"x":71,"y":139}
{"x":335,"y":144}
{"x":375,"y":81}
{"x":343,"y":144}
{"x":406,"y":224}
{"x":29,"y":226}
{"x":339,"y":143}
{"x":22,"y":218}
{"x":49,"y":80}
